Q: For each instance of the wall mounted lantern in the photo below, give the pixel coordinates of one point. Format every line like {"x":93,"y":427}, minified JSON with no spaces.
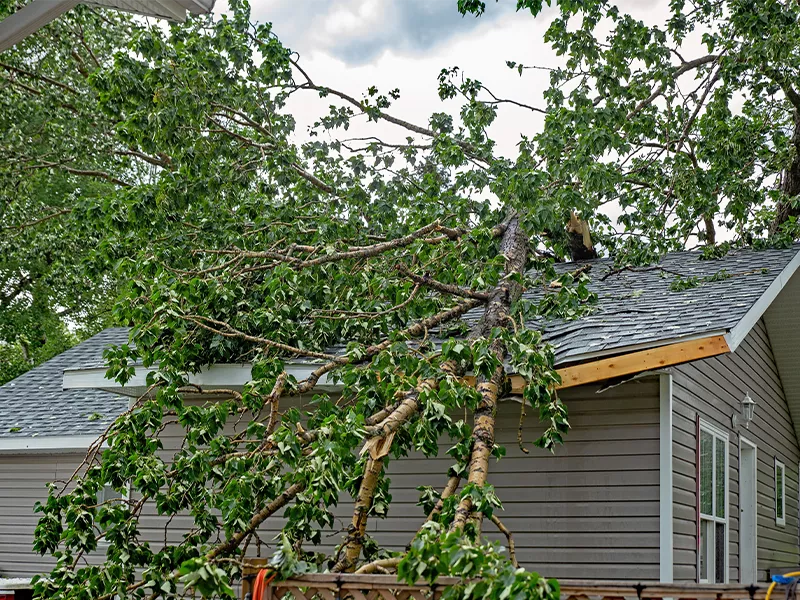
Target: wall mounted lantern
{"x":748,"y":408}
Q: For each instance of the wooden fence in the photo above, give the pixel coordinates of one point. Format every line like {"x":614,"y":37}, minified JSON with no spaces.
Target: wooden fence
{"x":327,"y":586}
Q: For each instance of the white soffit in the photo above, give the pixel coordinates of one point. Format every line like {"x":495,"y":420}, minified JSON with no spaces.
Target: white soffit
{"x":38,"y":13}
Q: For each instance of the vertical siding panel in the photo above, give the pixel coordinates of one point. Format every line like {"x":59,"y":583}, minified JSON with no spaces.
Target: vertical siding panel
{"x":713,"y":388}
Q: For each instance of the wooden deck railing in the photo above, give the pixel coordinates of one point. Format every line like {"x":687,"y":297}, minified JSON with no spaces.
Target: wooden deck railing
{"x":331,"y":586}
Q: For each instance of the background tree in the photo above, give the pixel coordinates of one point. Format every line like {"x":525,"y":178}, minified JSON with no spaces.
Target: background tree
{"x":60,"y":160}
{"x":236,"y":242}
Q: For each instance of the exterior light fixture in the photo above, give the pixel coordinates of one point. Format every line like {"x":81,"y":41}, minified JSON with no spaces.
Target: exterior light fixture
{"x":748,"y":409}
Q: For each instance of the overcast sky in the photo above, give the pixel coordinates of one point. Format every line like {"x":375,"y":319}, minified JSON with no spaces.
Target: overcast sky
{"x":352,"y":44}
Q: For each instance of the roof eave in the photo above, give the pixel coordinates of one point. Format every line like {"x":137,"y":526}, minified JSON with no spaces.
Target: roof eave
{"x":741,"y":330}
{"x":55,"y":444}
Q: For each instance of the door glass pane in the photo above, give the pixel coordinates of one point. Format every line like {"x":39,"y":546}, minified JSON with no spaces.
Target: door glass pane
{"x":779,"y":491}
{"x":719,"y":483}
{"x":706,"y":472}
{"x":704,"y":533}
{"x":719,"y":553}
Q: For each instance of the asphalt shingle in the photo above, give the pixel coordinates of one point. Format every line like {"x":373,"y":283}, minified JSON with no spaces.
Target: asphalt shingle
{"x":35,"y":405}
{"x":635,"y":307}
{"x":638,"y":307}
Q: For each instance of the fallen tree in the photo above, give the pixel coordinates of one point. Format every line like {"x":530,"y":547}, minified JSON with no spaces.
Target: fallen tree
{"x":396,"y":266}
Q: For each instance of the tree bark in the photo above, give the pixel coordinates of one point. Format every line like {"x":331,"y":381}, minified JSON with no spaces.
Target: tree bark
{"x":790,"y":181}
{"x":514,"y":246}
{"x":372,"y":474}
{"x":449,"y":490}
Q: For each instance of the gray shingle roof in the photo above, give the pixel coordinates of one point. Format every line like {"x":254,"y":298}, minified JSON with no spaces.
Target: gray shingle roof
{"x":34,"y":404}
{"x":635,"y":307}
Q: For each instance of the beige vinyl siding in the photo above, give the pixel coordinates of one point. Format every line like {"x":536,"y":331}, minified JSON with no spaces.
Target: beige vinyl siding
{"x":713,"y":388}
{"x":588,"y":511}
{"x":23,"y":480}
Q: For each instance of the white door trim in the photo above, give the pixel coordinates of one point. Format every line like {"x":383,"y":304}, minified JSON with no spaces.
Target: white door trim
{"x":754,"y":545}
{"x":665,"y":479}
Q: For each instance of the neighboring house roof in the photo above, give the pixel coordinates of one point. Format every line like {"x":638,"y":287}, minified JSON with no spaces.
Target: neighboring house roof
{"x":36,"y":405}
{"x":636,"y":309}
{"x":38,"y":13}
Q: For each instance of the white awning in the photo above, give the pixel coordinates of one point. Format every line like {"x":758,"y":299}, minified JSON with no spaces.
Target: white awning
{"x":38,"y":13}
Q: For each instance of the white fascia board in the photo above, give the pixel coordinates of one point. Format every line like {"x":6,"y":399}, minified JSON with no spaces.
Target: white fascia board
{"x":747,"y":322}
{"x":215,"y":376}
{"x":57,"y":444}
{"x":29,"y":19}
{"x":665,"y":480}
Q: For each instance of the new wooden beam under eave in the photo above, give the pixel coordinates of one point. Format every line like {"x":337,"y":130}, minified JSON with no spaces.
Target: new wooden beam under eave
{"x":644,"y":360}
{"x":631,"y":363}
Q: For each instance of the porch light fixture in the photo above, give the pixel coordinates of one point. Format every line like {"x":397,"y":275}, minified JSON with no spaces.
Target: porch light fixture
{"x":748,"y":408}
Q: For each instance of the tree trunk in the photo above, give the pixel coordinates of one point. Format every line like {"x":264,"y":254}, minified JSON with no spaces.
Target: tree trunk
{"x":372,"y":473}
{"x":790,"y":182}
{"x":711,"y":230}
{"x":514,"y":246}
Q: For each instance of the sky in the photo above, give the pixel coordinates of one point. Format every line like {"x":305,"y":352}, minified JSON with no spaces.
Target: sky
{"x":353,"y":44}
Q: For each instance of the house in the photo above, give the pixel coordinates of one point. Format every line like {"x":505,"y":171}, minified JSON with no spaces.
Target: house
{"x":669,"y":472}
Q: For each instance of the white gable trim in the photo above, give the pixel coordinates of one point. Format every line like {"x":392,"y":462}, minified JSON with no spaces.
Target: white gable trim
{"x":56,"y":444}
{"x":736,"y":335}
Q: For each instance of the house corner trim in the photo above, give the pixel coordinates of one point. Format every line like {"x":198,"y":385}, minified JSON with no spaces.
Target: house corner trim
{"x":665,"y":479}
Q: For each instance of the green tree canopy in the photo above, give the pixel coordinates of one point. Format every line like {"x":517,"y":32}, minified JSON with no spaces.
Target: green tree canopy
{"x":235,"y":242}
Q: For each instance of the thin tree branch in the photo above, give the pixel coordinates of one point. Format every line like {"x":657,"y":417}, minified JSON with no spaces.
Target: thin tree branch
{"x":444,"y":288}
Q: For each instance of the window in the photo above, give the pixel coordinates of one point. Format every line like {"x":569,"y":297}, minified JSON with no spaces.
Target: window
{"x":111,"y":496}
{"x":109,"y":493}
{"x":713,"y":491}
{"x":780,"y":493}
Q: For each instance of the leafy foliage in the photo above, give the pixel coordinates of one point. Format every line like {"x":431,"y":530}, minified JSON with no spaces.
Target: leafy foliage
{"x":168,"y":174}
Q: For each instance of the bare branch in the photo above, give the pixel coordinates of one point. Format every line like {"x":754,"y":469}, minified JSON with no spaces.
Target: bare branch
{"x":444,"y":288}
{"x":357,"y":252}
{"x":512,"y":554}
{"x":344,"y":314}
{"x":686,"y":66}
{"x":38,"y":221}
{"x":231,"y":332}
{"x":82,"y":172}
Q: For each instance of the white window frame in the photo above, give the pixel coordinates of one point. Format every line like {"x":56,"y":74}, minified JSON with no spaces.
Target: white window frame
{"x":716,"y":432}
{"x":780,"y":520}
{"x":126,"y":496}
